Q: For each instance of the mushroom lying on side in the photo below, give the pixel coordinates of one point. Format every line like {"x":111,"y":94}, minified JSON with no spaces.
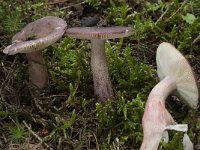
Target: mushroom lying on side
{"x":31,"y":40}
{"x":176,"y":75}
{"x":98,"y":36}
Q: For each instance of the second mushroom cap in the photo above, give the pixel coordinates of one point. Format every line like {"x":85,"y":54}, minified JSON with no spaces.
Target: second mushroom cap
{"x":99,"y":32}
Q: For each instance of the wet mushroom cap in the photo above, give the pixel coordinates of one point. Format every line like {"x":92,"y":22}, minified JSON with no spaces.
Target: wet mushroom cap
{"x":170,"y":62}
{"x":37,"y":35}
{"x":99,"y":32}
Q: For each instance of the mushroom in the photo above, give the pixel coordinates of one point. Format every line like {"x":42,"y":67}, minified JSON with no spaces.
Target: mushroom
{"x":176,"y":76}
{"x":31,"y":40}
{"x":98,"y":36}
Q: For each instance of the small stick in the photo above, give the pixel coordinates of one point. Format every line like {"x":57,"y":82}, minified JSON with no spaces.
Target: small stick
{"x":166,"y":11}
{"x":35,"y":99}
{"x":196,"y":39}
{"x":74,"y":5}
{"x":97,"y":144}
{"x":58,"y":2}
{"x":183,"y":4}
{"x":35,"y":135}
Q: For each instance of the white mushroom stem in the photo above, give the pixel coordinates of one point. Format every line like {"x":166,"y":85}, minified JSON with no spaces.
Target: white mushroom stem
{"x":163,"y":89}
{"x":38,"y":73}
{"x":102,"y":84}
{"x":156,"y":117}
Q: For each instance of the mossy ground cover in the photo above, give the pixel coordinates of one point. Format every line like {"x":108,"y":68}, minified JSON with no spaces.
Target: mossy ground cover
{"x":67,"y":115}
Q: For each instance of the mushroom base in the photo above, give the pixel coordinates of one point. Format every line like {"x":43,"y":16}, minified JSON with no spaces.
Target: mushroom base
{"x":103,"y":91}
{"x":38,"y":73}
{"x":102,"y":84}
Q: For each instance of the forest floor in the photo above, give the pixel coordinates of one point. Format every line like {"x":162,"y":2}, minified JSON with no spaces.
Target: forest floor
{"x":66,"y":115}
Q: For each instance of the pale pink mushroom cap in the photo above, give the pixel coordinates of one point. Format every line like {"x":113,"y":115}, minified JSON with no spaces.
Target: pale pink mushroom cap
{"x":46,"y":31}
{"x":103,"y":33}
{"x":170,"y":62}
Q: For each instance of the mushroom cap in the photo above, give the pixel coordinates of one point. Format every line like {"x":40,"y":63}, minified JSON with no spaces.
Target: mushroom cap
{"x":44,"y":32}
{"x":102,"y":33}
{"x":170,"y":62}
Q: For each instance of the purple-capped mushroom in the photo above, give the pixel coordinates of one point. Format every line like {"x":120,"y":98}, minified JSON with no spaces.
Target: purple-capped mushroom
{"x":176,"y":77}
{"x":98,"y":36}
{"x":31,"y":40}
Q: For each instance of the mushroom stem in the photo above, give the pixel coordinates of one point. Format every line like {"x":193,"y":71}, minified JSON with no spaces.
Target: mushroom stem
{"x":163,"y":89}
{"x":102,"y":84}
{"x":156,"y":117}
{"x":38,"y":73}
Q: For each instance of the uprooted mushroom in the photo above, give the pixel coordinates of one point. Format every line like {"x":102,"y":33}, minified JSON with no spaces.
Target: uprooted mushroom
{"x":176,"y":76}
{"x":31,"y":40}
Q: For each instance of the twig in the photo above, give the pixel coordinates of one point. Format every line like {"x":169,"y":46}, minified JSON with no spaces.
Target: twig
{"x":166,"y":11}
{"x":35,"y":135}
{"x":3,"y":84}
{"x":97,"y":144}
{"x":182,"y":5}
{"x":73,"y":5}
{"x":53,"y":96}
{"x":9,"y":74}
{"x":196,"y":39}
{"x":58,"y":2}
{"x":35,"y":99}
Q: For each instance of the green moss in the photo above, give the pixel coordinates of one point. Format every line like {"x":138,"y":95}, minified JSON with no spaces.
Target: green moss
{"x":70,"y":112}
{"x":18,"y":133}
